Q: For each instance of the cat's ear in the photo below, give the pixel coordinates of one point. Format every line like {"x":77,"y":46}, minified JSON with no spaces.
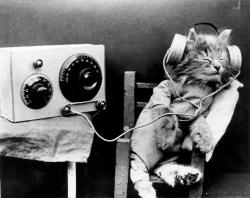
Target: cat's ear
{"x":224,"y":36}
{"x":192,"y":36}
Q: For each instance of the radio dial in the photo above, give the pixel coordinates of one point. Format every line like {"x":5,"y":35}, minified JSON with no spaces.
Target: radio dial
{"x":36,"y":91}
{"x":80,"y":78}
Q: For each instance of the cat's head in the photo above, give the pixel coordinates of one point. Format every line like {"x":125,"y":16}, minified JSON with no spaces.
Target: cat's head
{"x":206,"y":59}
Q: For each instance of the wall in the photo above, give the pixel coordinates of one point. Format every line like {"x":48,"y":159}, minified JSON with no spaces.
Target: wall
{"x":136,"y":35}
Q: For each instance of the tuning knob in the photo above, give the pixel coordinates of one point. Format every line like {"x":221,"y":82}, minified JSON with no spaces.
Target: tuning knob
{"x":36,"y":91}
{"x":88,"y":79}
{"x":39,"y":91}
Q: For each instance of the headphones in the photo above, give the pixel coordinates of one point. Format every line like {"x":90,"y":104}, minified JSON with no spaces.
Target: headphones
{"x":175,"y":52}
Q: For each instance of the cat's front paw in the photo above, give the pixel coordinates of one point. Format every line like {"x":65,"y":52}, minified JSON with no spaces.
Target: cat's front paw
{"x":201,"y":135}
{"x":203,"y":141}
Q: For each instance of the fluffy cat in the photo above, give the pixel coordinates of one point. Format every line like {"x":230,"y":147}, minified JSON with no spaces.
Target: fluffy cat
{"x":157,"y":147}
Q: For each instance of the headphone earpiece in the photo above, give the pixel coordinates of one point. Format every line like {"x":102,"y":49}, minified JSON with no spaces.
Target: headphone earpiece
{"x":235,"y":56}
{"x":176,"y":50}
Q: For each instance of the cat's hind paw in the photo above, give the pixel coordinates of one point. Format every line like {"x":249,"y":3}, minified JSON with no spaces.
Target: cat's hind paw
{"x":145,"y":189}
{"x":188,"y":178}
{"x":175,"y":174}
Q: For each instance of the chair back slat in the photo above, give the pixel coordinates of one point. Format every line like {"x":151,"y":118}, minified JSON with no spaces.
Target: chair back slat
{"x":140,"y":104}
{"x":143,"y":92}
{"x":136,"y":96}
{"x":129,"y":101}
{"x":144,"y":85}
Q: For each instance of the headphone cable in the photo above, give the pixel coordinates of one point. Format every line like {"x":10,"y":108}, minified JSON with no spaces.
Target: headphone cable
{"x":198,"y":106}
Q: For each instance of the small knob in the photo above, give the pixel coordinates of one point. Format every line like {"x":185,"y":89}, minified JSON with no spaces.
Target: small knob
{"x":66,"y":110}
{"x":38,"y":63}
{"x":101,"y":105}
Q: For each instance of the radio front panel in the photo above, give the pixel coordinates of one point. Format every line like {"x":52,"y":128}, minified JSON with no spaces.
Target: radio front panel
{"x":41,"y":80}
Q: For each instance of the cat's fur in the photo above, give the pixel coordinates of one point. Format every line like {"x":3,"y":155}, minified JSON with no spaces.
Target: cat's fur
{"x":205,"y":64}
{"x":203,"y":54}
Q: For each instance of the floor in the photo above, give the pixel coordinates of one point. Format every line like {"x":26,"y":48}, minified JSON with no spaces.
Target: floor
{"x":42,"y":180}
{"x":225,"y":186}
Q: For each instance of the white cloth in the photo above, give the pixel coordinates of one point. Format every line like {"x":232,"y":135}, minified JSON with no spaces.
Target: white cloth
{"x":57,"y":139}
{"x":221,"y":112}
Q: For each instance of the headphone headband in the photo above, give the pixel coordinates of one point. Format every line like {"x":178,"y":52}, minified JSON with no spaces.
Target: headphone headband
{"x":208,"y":24}
{"x":175,"y":52}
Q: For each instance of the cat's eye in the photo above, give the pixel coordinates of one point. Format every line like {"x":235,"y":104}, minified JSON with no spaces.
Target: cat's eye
{"x":205,"y":52}
{"x":221,"y":59}
{"x":207,"y":60}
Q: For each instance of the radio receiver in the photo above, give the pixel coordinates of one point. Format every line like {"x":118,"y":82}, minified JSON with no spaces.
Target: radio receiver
{"x":39,"y":81}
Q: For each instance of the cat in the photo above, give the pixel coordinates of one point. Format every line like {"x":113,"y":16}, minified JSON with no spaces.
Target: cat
{"x":157,"y":147}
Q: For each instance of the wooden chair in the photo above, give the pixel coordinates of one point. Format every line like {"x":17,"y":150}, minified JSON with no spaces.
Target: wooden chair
{"x":131,"y":105}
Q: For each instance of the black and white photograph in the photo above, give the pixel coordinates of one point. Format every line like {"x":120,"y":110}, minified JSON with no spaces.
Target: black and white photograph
{"x":124,"y":99}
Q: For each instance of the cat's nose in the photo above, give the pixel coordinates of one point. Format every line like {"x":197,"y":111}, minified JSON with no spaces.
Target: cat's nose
{"x":217,"y":67}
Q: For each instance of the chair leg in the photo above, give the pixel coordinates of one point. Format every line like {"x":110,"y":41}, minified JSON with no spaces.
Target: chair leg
{"x":1,"y":177}
{"x":197,"y":161}
{"x":71,"y":179}
{"x":122,"y":168}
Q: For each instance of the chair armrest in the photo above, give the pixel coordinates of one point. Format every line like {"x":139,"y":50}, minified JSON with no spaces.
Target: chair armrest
{"x":197,"y":161}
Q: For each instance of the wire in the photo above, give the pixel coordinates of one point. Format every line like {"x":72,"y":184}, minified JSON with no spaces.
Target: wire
{"x":198,"y":106}
{"x":165,"y":59}
{"x":127,"y":131}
